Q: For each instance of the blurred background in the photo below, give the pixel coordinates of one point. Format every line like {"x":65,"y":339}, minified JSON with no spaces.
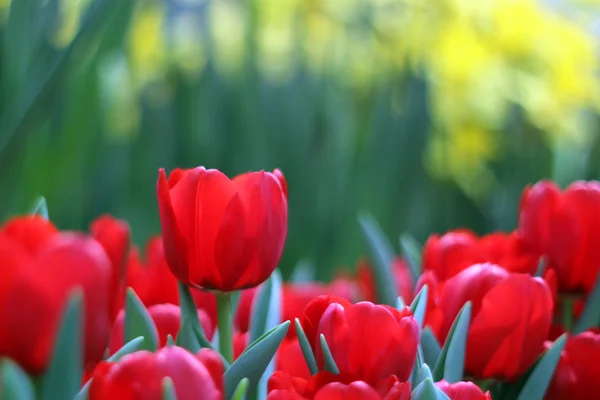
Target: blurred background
{"x":431,"y":114}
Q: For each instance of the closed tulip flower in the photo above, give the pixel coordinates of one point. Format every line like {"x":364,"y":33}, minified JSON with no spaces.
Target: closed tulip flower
{"x":34,"y":293}
{"x":356,"y":335}
{"x":565,"y":227}
{"x":463,"y":391}
{"x":140,"y":375}
{"x":454,"y":251}
{"x":576,"y":376}
{"x":114,"y":236}
{"x":219,"y":233}
{"x":167,"y":319}
{"x":510,"y":319}
{"x":327,"y":386}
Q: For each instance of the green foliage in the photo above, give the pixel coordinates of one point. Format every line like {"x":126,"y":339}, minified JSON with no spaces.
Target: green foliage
{"x":138,"y":322}
{"x":451,"y":361}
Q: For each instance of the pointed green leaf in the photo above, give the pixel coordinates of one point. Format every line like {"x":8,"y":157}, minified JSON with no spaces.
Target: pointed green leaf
{"x":590,"y":317}
{"x":168,"y":389}
{"x":240,"y":391}
{"x":189,"y":310}
{"x":306,"y":349}
{"x":424,"y":373}
{"x":14,"y":382}
{"x":40,"y":207}
{"x":538,"y":381}
{"x":428,"y":391}
{"x":170,"y":340}
{"x":419,"y":306}
{"x":266,"y":308}
{"x":400,"y":304}
{"x":62,"y":379}
{"x":186,"y":337}
{"x":130,"y":347}
{"x":254,"y":360}
{"x":412,"y":253}
{"x":541,"y":267}
{"x":416,"y":371}
{"x":138,"y":322}
{"x":266,"y":314}
{"x":381,"y":255}
{"x":451,"y":362}
{"x":430,"y":346}
{"x":305,"y":271}
{"x":328,"y":361}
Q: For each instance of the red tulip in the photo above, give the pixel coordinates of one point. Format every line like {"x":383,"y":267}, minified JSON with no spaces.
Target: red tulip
{"x":325,"y":386}
{"x":166,"y":317}
{"x":454,"y":251}
{"x":222,"y":234}
{"x":368,"y":342}
{"x":35,"y":289}
{"x":240,"y":342}
{"x":402,"y":277}
{"x":463,"y":391}
{"x":577,"y":373}
{"x":244,"y":309}
{"x":114,"y":236}
{"x":510,"y":319}
{"x":32,"y":232}
{"x":565,"y":227}
{"x":290,"y":359}
{"x":140,"y":375}
{"x":154,"y":282}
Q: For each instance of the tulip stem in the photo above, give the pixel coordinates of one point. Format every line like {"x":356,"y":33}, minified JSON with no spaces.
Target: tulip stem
{"x":225,"y":321}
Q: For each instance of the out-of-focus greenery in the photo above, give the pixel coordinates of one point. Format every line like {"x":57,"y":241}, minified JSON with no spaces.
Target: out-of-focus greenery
{"x":432,"y":114}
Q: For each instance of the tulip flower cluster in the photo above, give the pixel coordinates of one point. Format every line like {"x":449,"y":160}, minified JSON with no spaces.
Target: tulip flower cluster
{"x":202,"y":312}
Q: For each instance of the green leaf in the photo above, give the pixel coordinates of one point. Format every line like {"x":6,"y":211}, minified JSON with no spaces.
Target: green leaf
{"x":254,"y":360}
{"x":412,"y":253}
{"x":451,"y":362}
{"x":266,"y":308}
{"x":189,"y":310}
{"x":83,"y":393}
{"x":419,"y":306}
{"x":266,"y":314}
{"x":168,"y":389}
{"x":170,"y":340}
{"x":240,"y":391}
{"x":62,"y":379}
{"x":381,"y":255}
{"x":541,"y":267}
{"x":305,"y":271}
{"x":430,"y":346}
{"x":428,"y":391}
{"x":14,"y":382}
{"x":40,"y":207}
{"x":138,"y":322}
{"x":416,"y":371}
{"x":186,"y":337}
{"x":590,"y":317}
{"x":424,"y":373}
{"x":538,"y":381}
{"x":130,"y":347}
{"x":206,"y":344}
{"x":400,"y":304}
{"x":306,"y":349}
{"x":328,"y":361}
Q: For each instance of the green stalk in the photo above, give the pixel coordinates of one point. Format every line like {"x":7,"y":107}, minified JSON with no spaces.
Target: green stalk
{"x":225,"y":321}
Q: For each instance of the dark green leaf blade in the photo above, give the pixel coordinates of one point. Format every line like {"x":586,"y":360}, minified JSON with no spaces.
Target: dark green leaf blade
{"x":40,"y":208}
{"x":328,"y":361}
{"x":168,"y":389}
{"x":451,"y":362}
{"x":590,"y":317}
{"x":130,"y":347}
{"x":62,"y":380}
{"x":381,"y":255}
{"x":538,"y":381}
{"x":430,"y":346}
{"x":254,"y":360}
{"x":412,"y":252}
{"x":138,"y":322}
{"x":14,"y":382}
{"x":419,"y":306}
{"x":309,"y":357}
